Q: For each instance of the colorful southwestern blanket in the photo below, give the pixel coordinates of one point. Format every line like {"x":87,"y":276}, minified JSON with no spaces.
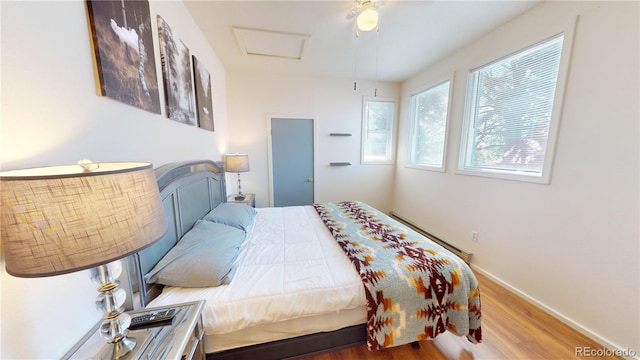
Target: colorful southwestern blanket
{"x":415,"y":288}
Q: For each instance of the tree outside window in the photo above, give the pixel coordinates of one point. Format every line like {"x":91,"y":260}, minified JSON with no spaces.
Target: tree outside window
{"x":429,"y":129}
{"x":378,"y":122}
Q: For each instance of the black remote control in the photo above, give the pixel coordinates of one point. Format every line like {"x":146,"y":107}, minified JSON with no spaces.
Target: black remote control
{"x":152,"y":318}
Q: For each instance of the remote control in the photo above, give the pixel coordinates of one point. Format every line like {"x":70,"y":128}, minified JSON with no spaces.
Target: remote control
{"x":153,"y":318}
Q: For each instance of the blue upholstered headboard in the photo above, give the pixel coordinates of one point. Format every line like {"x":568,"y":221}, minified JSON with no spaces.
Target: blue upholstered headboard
{"x":189,"y":190}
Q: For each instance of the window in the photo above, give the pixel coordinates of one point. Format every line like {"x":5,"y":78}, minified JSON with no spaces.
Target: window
{"x":378,"y":122}
{"x":512,"y":114}
{"x":429,"y":114}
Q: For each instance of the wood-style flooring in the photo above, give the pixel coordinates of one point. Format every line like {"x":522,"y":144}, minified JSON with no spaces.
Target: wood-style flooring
{"x":512,"y":328}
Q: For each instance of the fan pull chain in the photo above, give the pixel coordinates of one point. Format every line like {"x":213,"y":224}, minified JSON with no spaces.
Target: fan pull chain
{"x":355,"y":63}
{"x":375,"y":91}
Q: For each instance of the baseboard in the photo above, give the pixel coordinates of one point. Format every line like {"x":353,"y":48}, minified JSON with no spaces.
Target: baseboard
{"x":571,"y":323}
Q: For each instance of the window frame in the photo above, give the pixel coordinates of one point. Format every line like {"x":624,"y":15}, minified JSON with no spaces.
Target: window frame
{"x":391,"y":140}
{"x":544,"y":177}
{"x":412,"y":123}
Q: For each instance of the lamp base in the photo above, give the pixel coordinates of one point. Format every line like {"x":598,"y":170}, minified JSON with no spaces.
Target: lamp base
{"x":239,"y":197}
{"x":115,"y":322}
{"x":119,"y":349}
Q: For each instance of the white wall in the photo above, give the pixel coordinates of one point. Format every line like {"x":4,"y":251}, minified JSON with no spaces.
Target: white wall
{"x":52,"y":115}
{"x":579,"y":256}
{"x":571,"y":246}
{"x":337,"y":107}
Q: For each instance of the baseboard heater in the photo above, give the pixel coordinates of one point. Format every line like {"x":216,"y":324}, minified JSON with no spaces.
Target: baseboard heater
{"x":464,"y":255}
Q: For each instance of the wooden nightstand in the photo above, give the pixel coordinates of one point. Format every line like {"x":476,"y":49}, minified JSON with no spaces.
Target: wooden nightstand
{"x":182,"y":339}
{"x":249,"y":199}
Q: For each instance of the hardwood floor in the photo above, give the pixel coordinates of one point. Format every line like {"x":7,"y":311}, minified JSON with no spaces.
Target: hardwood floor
{"x":512,"y":329}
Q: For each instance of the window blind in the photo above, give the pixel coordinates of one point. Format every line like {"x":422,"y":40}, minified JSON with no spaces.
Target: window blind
{"x":509,"y":106}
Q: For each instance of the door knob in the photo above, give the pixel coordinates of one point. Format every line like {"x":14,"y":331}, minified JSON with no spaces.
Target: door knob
{"x":310,"y":179}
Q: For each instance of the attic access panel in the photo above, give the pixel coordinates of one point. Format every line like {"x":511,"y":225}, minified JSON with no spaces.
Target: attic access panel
{"x":271,"y":43}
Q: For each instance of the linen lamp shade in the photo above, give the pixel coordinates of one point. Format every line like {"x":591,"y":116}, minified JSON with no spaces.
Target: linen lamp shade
{"x":236,"y":163}
{"x":61,"y":219}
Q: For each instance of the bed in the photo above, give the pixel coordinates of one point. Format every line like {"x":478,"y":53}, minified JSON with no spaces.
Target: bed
{"x":291,"y":287}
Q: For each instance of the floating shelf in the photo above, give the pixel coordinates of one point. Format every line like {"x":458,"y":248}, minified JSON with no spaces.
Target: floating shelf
{"x":339,"y":134}
{"x":340,"y":164}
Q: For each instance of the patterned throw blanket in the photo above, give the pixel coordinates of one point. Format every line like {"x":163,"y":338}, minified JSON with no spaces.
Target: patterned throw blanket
{"x":415,"y":288}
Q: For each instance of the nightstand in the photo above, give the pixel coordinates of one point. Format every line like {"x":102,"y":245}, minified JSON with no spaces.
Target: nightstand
{"x":249,"y":199}
{"x":182,"y":339}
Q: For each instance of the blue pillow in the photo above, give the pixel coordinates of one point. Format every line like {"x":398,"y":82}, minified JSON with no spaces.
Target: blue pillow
{"x":202,"y":258}
{"x":233,"y":214}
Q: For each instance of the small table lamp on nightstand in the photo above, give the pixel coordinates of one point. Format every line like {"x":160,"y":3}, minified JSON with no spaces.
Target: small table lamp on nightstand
{"x":237,"y":163}
{"x":62,"y":219}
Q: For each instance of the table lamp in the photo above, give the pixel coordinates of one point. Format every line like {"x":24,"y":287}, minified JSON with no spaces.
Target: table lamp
{"x":237,"y":163}
{"x":62,"y":219}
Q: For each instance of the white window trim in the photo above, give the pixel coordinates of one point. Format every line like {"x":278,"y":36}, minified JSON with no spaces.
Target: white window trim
{"x":556,"y":114}
{"x":392,"y":154}
{"x":432,"y":84}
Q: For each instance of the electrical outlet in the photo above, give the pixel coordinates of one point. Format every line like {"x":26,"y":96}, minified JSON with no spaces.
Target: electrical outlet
{"x":474,"y":236}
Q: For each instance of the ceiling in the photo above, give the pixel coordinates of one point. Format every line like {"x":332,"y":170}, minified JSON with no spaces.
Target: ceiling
{"x":412,"y":35}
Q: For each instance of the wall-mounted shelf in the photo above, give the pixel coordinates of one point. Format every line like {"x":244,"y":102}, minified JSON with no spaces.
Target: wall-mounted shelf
{"x":340,"y":164}
{"x":339,"y":134}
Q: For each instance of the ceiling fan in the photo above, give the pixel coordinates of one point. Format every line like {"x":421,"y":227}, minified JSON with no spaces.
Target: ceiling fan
{"x":366,"y":13}
{"x":362,"y":5}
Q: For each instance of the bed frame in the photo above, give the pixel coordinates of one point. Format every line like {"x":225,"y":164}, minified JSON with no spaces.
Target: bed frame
{"x":189,"y":190}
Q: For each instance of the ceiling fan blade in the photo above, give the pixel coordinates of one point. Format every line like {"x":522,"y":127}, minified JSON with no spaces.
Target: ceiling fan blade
{"x":353,"y":13}
{"x":362,"y":5}
{"x":380,"y":3}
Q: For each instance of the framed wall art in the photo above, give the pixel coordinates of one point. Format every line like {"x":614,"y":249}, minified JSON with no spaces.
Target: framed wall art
{"x":124,"y":55}
{"x":176,"y":71}
{"x":204,"y":95}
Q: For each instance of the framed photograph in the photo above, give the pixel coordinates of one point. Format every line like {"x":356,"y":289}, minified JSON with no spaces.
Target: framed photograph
{"x":124,"y":54}
{"x":176,"y":71}
{"x":204,"y":96}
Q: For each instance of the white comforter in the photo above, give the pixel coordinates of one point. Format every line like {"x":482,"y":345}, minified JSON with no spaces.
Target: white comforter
{"x":289,"y":267}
